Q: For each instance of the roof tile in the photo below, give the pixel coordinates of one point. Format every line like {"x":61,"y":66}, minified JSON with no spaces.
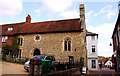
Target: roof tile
{"x":43,"y":27}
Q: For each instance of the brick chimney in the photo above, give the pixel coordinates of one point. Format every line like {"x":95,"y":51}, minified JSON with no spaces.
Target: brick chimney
{"x":82,"y":11}
{"x":82,"y":20}
{"x":28,"y":19}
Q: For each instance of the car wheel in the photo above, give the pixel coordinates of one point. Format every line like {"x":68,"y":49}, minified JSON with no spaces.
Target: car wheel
{"x":27,"y":70}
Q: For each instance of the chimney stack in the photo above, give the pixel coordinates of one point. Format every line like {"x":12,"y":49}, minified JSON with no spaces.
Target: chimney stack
{"x":82,"y":11}
{"x":28,"y":19}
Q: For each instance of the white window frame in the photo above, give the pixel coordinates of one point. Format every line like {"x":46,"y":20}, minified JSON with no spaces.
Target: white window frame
{"x":93,"y":64}
{"x":4,"y":38}
{"x":20,"y":41}
{"x":93,"y":47}
{"x":10,"y":28}
{"x":19,"y":53}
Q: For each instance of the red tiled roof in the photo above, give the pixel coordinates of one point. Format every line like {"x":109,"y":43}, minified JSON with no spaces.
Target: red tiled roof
{"x":90,"y":33}
{"x":68,"y":25}
{"x":116,"y":25}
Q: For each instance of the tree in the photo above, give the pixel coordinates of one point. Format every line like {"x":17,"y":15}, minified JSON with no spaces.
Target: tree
{"x":6,"y":49}
{"x":15,"y":46}
{"x":11,"y":50}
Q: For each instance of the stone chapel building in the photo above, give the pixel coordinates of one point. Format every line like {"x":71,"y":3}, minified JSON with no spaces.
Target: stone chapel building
{"x":62,"y":38}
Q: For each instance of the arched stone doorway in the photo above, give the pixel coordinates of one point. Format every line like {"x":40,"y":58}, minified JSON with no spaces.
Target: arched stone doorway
{"x":36,"y":52}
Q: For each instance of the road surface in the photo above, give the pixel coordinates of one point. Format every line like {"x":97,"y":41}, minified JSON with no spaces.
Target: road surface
{"x":11,"y":68}
{"x":105,"y":72}
{"x":18,"y":69}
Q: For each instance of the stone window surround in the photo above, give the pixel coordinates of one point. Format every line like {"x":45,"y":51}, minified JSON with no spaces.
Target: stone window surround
{"x":19,"y":53}
{"x":37,"y":36}
{"x":22,"y":41}
{"x":69,"y":39}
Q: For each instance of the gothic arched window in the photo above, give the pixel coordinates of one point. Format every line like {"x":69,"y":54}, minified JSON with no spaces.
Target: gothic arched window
{"x":67,"y":44}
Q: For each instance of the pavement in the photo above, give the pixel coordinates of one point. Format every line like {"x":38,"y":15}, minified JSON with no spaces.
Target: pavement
{"x":103,"y":71}
{"x":106,"y":72}
{"x":100,"y":72}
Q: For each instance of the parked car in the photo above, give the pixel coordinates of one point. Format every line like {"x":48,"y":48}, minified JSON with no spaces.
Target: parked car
{"x":84,"y":70}
{"x":49,"y":57}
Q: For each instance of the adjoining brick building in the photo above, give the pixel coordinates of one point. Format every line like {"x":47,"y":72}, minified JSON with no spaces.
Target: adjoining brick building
{"x":64,"y":39}
{"x":116,"y":43}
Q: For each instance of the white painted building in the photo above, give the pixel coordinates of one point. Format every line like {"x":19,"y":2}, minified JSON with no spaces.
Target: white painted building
{"x":92,"y":41}
{"x":108,"y":64}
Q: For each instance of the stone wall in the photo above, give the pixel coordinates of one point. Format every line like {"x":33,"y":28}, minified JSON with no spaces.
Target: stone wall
{"x":53,"y":44}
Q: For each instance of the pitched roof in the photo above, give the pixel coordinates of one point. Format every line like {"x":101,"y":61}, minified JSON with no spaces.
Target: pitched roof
{"x":69,"y":25}
{"x":90,"y":33}
{"x":116,"y":25}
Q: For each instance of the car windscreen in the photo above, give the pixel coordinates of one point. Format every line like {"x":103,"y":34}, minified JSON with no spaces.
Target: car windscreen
{"x":50,"y":58}
{"x":42,"y":57}
{"x":39,"y":56}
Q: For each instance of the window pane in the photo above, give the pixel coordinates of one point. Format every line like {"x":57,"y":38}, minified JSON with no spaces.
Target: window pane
{"x":20,"y":40}
{"x":65,"y":45}
{"x":4,"y":38}
{"x":93,"y":64}
{"x":93,"y":37}
{"x":93,"y":49}
{"x":37,"y":37}
{"x":47,"y":58}
{"x":69,"y":45}
{"x":17,"y":54}
{"x":20,"y":53}
{"x":10,"y":29}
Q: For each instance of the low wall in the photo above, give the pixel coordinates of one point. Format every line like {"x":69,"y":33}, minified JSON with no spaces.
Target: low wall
{"x":64,"y":72}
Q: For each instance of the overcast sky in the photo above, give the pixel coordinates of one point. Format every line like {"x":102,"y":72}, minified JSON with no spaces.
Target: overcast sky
{"x":100,"y":16}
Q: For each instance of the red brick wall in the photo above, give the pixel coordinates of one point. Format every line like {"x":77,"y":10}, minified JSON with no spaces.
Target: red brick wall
{"x":115,"y":42}
{"x":0,"y":41}
{"x":8,"y":41}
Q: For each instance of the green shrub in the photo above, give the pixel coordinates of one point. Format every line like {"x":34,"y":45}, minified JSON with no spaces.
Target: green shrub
{"x":3,"y":57}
